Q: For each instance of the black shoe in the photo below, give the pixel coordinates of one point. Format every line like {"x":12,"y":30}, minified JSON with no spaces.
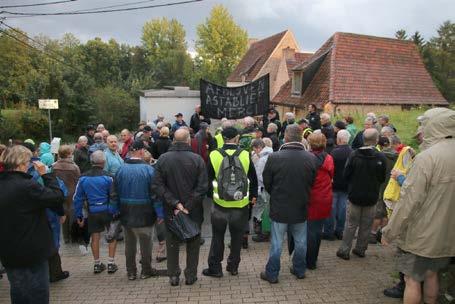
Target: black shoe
{"x":174,"y":281}
{"x":395,"y":292}
{"x":132,"y":276}
{"x":342,"y":255}
{"x":201,"y":242}
{"x":260,"y":238}
{"x":379,"y":236}
{"x":360,"y":254}
{"x":300,"y":277}
{"x":63,"y":275}
{"x":160,"y":259}
{"x":311,"y":267}
{"x":245,"y":242}
{"x":149,"y":274}
{"x":339,"y":235}
{"x":99,"y":268}
{"x":210,"y":273}
{"x":111,"y":268}
{"x":233,"y":271}
{"x":190,"y":281}
{"x":372,"y":239}
{"x":264,"y":277}
{"x":329,"y":237}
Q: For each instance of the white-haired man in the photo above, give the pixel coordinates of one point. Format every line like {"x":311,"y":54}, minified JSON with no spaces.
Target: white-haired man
{"x":334,"y":226}
{"x":81,"y":155}
{"x":113,"y":158}
{"x":290,"y":119}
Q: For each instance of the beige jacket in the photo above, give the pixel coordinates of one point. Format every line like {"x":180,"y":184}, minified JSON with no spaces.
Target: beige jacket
{"x":423,"y":221}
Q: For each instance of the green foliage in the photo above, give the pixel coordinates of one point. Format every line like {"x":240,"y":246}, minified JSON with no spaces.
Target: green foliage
{"x":115,"y":107}
{"x":164,"y":42}
{"x":23,"y":122}
{"x":401,"y":35}
{"x":220,"y":45}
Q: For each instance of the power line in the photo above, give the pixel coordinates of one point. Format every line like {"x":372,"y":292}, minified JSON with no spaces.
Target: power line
{"x":100,"y":11}
{"x":36,"y":4}
{"x":36,"y":49}
{"x":112,"y":6}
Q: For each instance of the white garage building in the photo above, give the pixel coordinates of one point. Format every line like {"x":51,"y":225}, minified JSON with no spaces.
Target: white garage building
{"x":168,"y":102}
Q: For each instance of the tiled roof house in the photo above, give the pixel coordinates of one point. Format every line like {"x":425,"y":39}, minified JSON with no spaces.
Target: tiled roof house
{"x":275,"y":55}
{"x":353,"y":72}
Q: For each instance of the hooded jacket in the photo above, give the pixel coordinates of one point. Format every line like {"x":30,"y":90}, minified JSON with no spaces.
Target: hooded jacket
{"x":365,"y":172}
{"x":321,"y":196}
{"x":45,"y":154}
{"x":422,"y":222}
{"x":260,"y":164}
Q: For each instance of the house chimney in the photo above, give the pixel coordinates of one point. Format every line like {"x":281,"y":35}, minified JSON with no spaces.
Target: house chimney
{"x":289,"y":54}
{"x":251,"y":41}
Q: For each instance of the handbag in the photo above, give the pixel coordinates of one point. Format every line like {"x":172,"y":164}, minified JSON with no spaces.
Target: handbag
{"x":113,"y":231}
{"x":182,"y":226}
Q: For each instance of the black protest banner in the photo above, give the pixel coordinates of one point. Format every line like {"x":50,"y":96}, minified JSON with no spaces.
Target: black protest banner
{"x":237,"y":102}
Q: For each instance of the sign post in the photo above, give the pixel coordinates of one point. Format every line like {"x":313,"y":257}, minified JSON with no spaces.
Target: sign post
{"x":48,"y":104}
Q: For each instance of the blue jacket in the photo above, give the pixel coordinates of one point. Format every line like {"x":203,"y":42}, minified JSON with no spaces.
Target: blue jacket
{"x":113,"y":162}
{"x":138,"y":206}
{"x":45,"y":154}
{"x":178,"y":125}
{"x":97,"y":188}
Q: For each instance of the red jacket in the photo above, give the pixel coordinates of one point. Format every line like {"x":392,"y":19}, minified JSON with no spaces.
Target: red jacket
{"x":320,"y":205}
{"x":204,"y":153}
{"x":126,"y":147}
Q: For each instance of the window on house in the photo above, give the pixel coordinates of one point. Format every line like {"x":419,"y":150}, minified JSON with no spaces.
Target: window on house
{"x":297,"y":84}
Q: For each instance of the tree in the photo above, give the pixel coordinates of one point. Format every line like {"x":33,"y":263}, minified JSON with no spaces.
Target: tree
{"x":15,"y":67}
{"x":220,"y":45}
{"x":418,"y":41}
{"x":401,"y":35}
{"x":166,"y":51}
{"x":441,"y":63}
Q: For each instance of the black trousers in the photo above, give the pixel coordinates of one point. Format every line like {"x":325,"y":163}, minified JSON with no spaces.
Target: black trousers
{"x":55,"y":265}
{"x":236,"y":218}
{"x":314,"y":242}
{"x":192,"y":255}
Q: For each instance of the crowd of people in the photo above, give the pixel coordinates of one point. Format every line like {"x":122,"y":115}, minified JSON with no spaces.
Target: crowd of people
{"x":303,"y":180}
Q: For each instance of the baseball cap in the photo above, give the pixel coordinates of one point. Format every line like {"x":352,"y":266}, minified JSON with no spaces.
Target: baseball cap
{"x":229,"y":133}
{"x":137,"y":145}
{"x":147,"y":129}
{"x":178,"y":114}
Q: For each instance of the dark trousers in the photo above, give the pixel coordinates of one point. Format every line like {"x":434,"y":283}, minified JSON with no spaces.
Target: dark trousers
{"x":314,"y":242}
{"x":221,"y":217}
{"x":143,"y":235}
{"x":192,"y":255}
{"x":55,"y":266}
{"x":29,"y":285}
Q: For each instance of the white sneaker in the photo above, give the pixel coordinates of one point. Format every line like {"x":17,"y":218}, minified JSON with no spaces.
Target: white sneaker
{"x":83,"y":249}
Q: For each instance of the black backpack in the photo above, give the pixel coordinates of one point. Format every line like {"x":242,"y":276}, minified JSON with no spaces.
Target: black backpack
{"x":232,"y":179}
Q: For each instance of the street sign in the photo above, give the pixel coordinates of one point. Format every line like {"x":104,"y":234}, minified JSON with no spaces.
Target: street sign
{"x":48,"y":104}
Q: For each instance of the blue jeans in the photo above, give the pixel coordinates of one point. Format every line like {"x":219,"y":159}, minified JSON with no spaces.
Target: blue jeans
{"x":338,"y":215}
{"x":299,"y":233}
{"x":29,"y":285}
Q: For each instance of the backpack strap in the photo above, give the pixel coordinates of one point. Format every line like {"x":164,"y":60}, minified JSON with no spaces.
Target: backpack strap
{"x":222,"y":152}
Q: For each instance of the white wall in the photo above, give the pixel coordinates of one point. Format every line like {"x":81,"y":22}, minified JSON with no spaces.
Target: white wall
{"x":150,"y":107}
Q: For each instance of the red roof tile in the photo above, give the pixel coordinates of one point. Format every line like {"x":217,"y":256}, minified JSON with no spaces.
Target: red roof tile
{"x":363,"y":69}
{"x":298,"y":59}
{"x":255,"y":58}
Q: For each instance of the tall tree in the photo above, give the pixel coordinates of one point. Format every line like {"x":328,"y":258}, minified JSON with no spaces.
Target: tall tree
{"x":418,"y":40}
{"x":220,"y":45}
{"x":442,"y":59}
{"x":401,"y":35}
{"x":166,"y":48}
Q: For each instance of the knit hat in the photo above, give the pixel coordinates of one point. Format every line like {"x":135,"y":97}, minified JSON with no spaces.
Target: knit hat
{"x":229,"y":133}
{"x":340,"y":125}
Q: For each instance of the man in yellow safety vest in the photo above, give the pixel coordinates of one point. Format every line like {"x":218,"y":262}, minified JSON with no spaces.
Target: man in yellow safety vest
{"x":232,"y":177}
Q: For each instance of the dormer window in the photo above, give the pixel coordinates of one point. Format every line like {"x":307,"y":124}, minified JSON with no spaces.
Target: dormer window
{"x":297,"y":83}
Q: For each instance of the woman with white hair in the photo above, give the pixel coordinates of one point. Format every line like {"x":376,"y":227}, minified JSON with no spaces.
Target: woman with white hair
{"x":24,"y":225}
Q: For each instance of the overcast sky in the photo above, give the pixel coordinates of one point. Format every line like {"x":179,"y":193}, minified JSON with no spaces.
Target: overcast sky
{"x":311,"y":21}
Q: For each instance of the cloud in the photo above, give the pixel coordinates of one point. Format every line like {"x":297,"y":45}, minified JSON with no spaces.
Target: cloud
{"x":312,"y":21}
